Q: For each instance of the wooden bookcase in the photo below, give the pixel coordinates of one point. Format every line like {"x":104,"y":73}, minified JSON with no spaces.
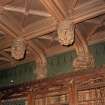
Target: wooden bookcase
{"x":77,"y":88}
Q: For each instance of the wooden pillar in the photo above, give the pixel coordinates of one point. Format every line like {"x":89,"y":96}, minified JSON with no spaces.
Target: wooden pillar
{"x":73,"y":94}
{"x":30,"y":99}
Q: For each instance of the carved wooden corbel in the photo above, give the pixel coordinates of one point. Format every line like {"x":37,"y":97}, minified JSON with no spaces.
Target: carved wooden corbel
{"x":84,"y":58}
{"x":66,"y":32}
{"x":18,"y":48}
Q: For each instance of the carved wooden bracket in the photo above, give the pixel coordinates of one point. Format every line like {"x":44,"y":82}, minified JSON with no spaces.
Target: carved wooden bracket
{"x":18,"y":48}
{"x":41,"y":61}
{"x":84,"y":58}
{"x":66,"y":32}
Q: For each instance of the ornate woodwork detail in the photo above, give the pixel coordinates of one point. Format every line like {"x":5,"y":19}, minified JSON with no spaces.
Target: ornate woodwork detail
{"x":41,"y":61}
{"x":18,"y":48}
{"x":66,"y":32}
{"x":84,"y":58}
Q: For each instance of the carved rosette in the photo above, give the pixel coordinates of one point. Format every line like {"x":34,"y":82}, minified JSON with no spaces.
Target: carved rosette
{"x":18,"y":49}
{"x":66,"y":32}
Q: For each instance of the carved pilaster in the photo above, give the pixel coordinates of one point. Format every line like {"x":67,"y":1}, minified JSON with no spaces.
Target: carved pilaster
{"x":66,"y":32}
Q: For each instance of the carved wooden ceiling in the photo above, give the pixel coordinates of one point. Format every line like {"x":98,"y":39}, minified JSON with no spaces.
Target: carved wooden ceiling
{"x":37,"y":21}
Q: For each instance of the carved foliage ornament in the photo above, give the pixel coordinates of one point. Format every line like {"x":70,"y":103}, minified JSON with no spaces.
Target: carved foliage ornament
{"x":18,"y":49}
{"x":66,"y":32}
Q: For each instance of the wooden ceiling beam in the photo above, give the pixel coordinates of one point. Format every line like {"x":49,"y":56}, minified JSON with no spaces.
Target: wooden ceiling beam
{"x":4,"y":59}
{"x":61,"y":6}
{"x":99,"y":23}
{"x":27,"y":6}
{"x":40,"y":28}
{"x":74,"y":3}
{"x":5,"y":43}
{"x":81,"y":13}
{"x":9,"y":25}
{"x":22,"y":10}
{"x":88,"y":10}
{"x":7,"y":56}
{"x":54,"y":8}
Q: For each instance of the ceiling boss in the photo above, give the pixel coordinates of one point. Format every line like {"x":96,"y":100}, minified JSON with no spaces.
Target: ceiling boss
{"x":66,"y":32}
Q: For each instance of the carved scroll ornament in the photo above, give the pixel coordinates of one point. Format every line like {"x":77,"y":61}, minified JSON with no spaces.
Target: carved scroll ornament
{"x":66,"y":32}
{"x":18,"y":49}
